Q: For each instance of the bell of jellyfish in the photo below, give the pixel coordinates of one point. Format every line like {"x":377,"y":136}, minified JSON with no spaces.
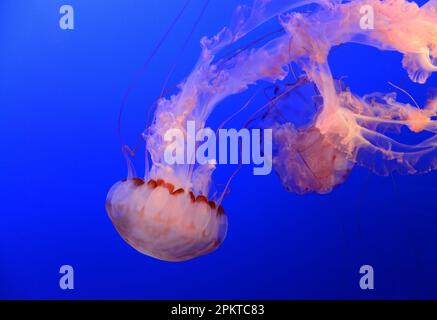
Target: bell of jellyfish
{"x":304,"y":159}
{"x":171,"y":215}
{"x":164,"y":222}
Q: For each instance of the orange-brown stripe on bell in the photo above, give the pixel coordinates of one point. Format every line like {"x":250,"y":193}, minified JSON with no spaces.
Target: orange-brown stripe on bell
{"x":191,"y":194}
{"x":201,"y":198}
{"x":137,"y":181}
{"x":152,"y":184}
{"x":178,"y":191}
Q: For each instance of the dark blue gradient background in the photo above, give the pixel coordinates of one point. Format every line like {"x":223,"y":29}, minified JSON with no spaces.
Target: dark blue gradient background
{"x":60,"y":93}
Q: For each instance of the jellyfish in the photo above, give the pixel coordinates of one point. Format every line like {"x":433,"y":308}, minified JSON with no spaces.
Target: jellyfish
{"x":358,"y":126}
{"x":347,"y":129}
{"x":170,"y":214}
{"x":304,"y":159}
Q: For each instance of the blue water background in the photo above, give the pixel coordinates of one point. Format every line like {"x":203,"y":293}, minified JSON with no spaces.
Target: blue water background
{"x":60,"y":93}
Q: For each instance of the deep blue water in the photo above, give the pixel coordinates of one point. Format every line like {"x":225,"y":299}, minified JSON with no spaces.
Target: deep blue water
{"x":60,"y":92}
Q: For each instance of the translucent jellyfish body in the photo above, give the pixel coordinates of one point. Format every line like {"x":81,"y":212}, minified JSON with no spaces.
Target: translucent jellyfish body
{"x":165,"y":223}
{"x":362,"y":127}
{"x":312,"y":163}
{"x":347,"y":128}
{"x":304,"y":159}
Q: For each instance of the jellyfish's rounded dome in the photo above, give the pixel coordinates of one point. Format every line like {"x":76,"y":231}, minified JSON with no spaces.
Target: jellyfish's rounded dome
{"x":165,"y":223}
